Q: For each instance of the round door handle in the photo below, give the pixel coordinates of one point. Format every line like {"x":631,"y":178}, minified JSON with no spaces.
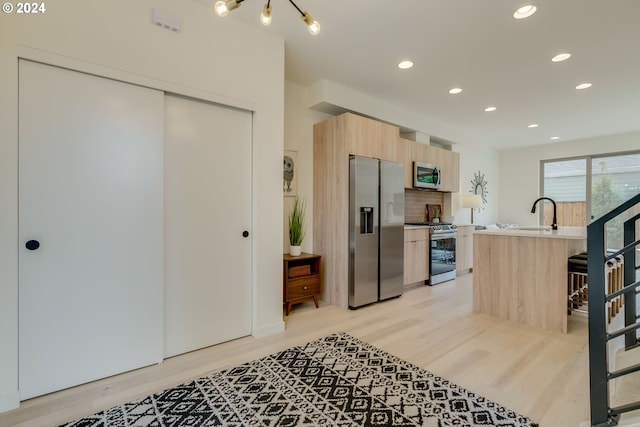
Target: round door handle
{"x":245,"y":233}
{"x":32,"y":245}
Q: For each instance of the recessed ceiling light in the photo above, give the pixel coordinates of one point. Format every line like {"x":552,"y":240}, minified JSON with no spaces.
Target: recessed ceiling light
{"x":561,"y":57}
{"x":554,"y":138}
{"x":525,"y":11}
{"x":455,"y":91}
{"x":583,"y":86}
{"x":490,"y":109}
{"x":533,"y":125}
{"x":405,"y":65}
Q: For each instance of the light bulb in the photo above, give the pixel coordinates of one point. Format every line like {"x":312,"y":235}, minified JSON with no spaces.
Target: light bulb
{"x":265,"y":20}
{"x":221,"y":8}
{"x":314,"y":28}
{"x":312,"y":25}
{"x":265,"y":16}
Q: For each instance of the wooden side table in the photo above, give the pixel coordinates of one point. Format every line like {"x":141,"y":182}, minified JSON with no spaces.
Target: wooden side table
{"x":301,"y":277}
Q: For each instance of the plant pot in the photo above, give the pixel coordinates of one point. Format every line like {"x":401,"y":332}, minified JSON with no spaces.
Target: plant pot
{"x":295,"y":250}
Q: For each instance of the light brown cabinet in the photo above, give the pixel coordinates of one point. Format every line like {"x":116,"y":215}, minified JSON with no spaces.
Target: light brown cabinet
{"x":368,"y":138}
{"x":464,"y":249}
{"x":405,"y":155}
{"x":423,"y":153}
{"x":333,"y":140}
{"x":416,"y":255}
{"x":447,"y":161}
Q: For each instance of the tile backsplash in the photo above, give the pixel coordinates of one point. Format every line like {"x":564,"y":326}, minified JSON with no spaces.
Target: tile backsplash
{"x":415,"y":202}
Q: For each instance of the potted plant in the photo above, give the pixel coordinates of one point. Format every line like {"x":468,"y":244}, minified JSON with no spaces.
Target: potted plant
{"x":296,"y":227}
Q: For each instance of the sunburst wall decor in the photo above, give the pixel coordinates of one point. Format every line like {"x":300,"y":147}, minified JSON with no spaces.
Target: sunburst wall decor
{"x":479,"y":186}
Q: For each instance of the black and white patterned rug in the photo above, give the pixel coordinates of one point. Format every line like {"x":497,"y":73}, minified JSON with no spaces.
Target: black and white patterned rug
{"x":333,"y":381}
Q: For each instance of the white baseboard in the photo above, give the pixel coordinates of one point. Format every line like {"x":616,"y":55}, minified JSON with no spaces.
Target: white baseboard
{"x":269,"y":330}
{"x":9,"y":401}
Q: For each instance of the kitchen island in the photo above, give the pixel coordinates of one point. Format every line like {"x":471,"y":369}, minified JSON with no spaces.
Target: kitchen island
{"x":520,"y":274}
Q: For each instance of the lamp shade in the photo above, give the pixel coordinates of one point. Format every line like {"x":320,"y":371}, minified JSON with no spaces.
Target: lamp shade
{"x":473,"y":201}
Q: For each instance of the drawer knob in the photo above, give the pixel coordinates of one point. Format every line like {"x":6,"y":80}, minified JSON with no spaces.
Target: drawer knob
{"x":305,"y":288}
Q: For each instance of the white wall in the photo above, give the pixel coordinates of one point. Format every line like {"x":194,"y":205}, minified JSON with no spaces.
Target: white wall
{"x":331,"y":97}
{"x":218,"y":59}
{"x":298,"y":136}
{"x":519,"y":182}
{"x":472,"y":161}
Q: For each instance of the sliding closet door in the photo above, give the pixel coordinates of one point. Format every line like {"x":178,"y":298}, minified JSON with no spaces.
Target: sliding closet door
{"x":207,"y":224}
{"x":90,"y":261}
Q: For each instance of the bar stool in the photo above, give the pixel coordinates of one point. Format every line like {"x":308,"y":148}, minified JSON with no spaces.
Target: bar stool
{"x":615,"y":278}
{"x":577,"y":286}
{"x":578,"y":289}
{"x":620,"y":282}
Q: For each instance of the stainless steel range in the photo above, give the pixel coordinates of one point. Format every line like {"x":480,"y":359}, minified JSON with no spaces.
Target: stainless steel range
{"x":442,"y":251}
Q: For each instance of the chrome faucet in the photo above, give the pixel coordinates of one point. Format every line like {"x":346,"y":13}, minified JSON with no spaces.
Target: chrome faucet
{"x":554,"y":223}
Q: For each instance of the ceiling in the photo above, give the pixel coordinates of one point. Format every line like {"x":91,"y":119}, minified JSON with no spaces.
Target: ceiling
{"x":477,"y":46}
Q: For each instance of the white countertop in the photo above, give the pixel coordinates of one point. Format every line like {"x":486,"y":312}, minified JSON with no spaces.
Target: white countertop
{"x":411,"y":227}
{"x":560,"y":233}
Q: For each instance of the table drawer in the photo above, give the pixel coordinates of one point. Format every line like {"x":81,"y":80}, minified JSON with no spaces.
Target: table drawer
{"x":303,"y":287}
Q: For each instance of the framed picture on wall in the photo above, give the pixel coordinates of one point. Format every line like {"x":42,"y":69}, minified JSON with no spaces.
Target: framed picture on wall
{"x":290,"y":172}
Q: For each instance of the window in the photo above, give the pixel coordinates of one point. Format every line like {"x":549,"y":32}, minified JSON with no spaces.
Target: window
{"x":614,"y":179}
{"x":585,"y":188}
{"x":565,"y":182}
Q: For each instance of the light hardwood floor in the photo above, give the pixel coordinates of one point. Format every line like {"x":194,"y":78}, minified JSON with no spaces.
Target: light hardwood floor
{"x":540,"y":374}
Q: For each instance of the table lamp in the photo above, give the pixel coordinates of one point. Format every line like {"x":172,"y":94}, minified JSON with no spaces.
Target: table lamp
{"x":473,"y":201}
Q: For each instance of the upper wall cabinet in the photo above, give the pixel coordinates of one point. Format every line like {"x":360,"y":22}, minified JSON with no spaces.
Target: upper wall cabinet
{"x":405,"y":155}
{"x":369,"y":138}
{"x":447,"y":161}
{"x":449,"y":164}
{"x":366,"y":137}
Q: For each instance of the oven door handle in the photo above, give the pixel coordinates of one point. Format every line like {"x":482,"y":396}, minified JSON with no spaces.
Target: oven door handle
{"x":442,"y":236}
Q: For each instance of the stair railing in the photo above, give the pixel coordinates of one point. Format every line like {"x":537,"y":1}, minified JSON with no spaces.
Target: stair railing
{"x":602,"y":414}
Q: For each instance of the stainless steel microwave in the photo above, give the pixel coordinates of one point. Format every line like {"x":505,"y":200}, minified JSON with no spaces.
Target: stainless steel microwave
{"x":426,"y":175}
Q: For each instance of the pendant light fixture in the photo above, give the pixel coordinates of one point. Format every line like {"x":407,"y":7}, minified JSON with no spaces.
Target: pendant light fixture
{"x":223,"y":7}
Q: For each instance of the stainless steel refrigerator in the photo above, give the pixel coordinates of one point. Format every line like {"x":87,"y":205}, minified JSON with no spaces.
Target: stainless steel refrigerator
{"x":376,"y":230}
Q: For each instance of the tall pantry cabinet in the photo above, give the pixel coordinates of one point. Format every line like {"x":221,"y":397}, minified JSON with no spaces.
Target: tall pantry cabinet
{"x":333,"y":141}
